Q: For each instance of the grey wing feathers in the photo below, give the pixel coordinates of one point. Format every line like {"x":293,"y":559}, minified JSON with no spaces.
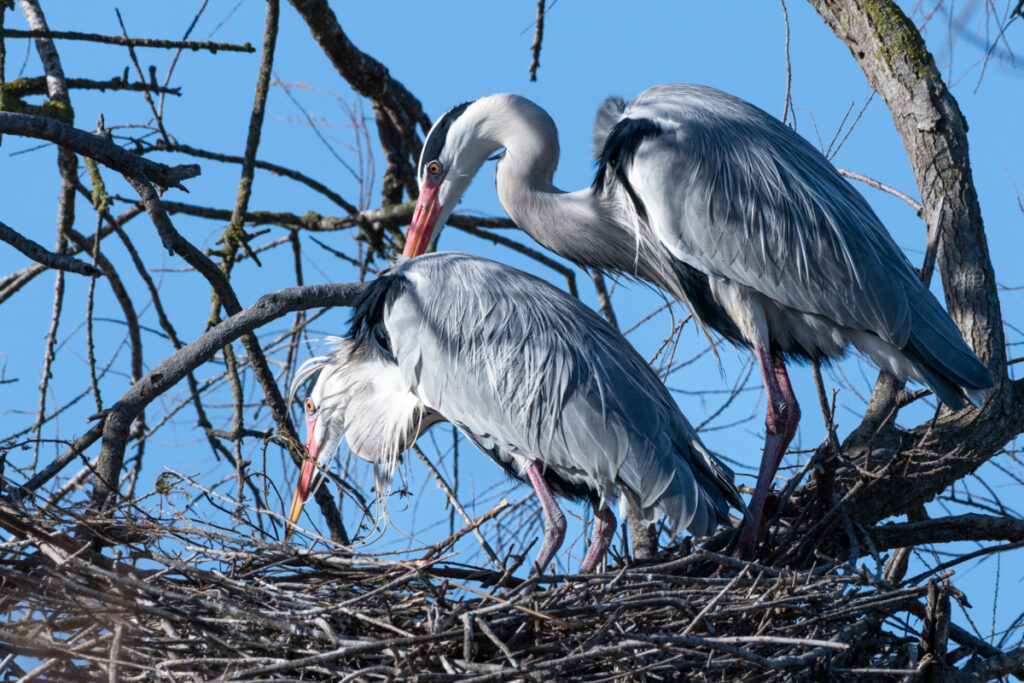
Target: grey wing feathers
{"x":607,"y":115}
{"x":735,"y":193}
{"x":526,"y":370}
{"x":948,"y":365}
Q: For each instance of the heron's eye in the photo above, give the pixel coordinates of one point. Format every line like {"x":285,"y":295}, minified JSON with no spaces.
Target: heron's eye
{"x":433,"y":168}
{"x":310,"y":408}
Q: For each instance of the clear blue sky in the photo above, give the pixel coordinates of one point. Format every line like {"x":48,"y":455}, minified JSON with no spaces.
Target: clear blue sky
{"x":447,"y":53}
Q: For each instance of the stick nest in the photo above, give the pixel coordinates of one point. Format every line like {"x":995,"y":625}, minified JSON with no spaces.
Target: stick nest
{"x":178,"y":600}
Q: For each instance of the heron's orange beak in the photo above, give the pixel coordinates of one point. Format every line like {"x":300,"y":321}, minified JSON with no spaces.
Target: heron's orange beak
{"x":424,"y":218}
{"x":309,"y":466}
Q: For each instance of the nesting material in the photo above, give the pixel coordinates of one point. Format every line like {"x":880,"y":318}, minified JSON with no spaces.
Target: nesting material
{"x":174,"y":599}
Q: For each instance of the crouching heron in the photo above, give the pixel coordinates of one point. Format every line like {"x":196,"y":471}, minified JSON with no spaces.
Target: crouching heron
{"x":532,"y":377}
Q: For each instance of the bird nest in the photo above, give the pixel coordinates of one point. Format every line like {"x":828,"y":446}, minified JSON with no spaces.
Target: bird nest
{"x":172,"y":598}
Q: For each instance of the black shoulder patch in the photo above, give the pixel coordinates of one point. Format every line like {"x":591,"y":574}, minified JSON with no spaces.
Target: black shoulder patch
{"x":366,"y":326}
{"x":619,"y":149}
{"x":438,"y":135}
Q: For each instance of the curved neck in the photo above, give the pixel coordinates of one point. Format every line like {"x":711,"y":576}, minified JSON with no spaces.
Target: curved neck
{"x":575,"y":225}
{"x":579,"y":226}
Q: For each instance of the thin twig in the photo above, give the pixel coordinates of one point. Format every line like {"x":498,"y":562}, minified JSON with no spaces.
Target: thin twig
{"x":131,"y":42}
{"x":538,"y":37}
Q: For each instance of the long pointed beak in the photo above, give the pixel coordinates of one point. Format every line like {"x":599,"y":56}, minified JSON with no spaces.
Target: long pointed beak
{"x":424,"y":218}
{"x":309,"y":466}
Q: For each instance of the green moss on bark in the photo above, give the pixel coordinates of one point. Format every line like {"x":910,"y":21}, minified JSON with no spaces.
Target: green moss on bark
{"x":897,"y":37}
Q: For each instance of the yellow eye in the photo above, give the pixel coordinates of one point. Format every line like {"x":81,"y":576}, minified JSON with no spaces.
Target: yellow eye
{"x":310,"y":408}
{"x":433,"y":168}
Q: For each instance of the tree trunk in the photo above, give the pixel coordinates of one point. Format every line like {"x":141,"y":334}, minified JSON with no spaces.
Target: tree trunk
{"x":898,"y":66}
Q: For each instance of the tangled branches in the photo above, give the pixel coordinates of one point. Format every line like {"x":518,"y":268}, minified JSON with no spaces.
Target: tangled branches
{"x":186,"y":600}
{"x":122,"y":591}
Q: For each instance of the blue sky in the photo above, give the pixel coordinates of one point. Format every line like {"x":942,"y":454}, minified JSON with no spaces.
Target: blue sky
{"x":447,"y":53}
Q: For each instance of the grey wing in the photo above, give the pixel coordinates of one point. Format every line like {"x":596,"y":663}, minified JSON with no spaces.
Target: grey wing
{"x":525,"y":370}
{"x":735,"y":193}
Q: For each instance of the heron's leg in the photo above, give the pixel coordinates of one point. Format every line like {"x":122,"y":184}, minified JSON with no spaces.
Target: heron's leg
{"x":791,"y":412}
{"x":604,"y":532}
{"x":781,"y":420}
{"x":554,"y":520}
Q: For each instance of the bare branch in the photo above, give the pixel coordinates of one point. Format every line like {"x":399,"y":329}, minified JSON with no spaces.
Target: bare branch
{"x":174,"y":146}
{"x":96,"y":147}
{"x":132,"y":42}
{"x":37,"y":86}
{"x":234,"y":235}
{"x":538,"y":36}
{"x":966,"y":527}
{"x":40,"y":254}
{"x":916,"y":205}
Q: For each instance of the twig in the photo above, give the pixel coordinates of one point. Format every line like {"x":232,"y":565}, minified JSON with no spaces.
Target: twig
{"x":40,"y":254}
{"x":100,"y":149}
{"x":538,"y":36}
{"x":884,"y":188}
{"x":787,"y":104}
{"x":458,"y":506}
{"x":234,"y":235}
{"x":132,"y":42}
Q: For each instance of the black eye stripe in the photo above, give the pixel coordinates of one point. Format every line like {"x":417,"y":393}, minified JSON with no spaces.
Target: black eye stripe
{"x":438,"y":135}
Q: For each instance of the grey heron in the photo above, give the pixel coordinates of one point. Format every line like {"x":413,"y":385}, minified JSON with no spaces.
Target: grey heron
{"x":729,"y":211}
{"x":532,"y":377}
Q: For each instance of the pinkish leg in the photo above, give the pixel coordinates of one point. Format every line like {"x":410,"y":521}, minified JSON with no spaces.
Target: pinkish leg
{"x":792,"y":415}
{"x":604,"y":531}
{"x":781,"y":420}
{"x":554,"y":523}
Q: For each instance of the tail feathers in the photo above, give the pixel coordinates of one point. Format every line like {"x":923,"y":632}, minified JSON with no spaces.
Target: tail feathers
{"x":976,"y":397}
{"x":701,"y":494}
{"x":946,"y":363}
{"x":705,"y":518}
{"x":700,"y":515}
{"x":712,"y":509}
{"x":716,"y":479}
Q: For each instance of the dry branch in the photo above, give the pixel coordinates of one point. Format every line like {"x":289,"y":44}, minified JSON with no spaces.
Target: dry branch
{"x":96,"y":147}
{"x":37,"y":86}
{"x":198,"y":603}
{"x":41,"y":254}
{"x":367,"y":75}
{"x":174,"y":368}
{"x":967,"y":527}
{"x":132,"y":42}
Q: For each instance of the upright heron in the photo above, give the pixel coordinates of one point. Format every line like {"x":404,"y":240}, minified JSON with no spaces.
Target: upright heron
{"x":536,"y":380}
{"x":731,"y":212}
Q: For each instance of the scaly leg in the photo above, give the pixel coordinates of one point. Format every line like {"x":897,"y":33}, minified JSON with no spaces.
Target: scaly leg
{"x":554,"y":523}
{"x":604,"y":532}
{"x":781,"y":420}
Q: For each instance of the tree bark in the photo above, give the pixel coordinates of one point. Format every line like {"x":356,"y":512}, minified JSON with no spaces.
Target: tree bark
{"x":897,"y":64}
{"x":892,"y":54}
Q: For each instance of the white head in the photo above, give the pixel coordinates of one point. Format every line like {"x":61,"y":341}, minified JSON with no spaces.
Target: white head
{"x":358,"y":394}
{"x":324,"y":410}
{"x":457,"y":146}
